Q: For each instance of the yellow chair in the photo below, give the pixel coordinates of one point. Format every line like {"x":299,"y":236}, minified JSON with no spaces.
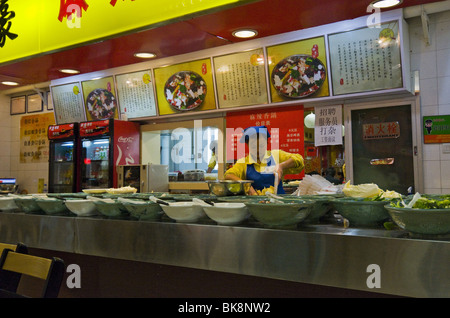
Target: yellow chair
{"x":51,"y":271}
{"x":19,"y":247}
{"x":10,"y":281}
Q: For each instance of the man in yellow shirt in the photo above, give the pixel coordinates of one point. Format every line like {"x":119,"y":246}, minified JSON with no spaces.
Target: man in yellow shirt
{"x":212,"y":160}
{"x":260,"y":165}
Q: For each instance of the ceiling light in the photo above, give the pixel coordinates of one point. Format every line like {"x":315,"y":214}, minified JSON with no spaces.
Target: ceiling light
{"x":144,"y":55}
{"x":385,"y":3}
{"x":10,"y":83}
{"x":245,"y":34}
{"x":69,"y":71}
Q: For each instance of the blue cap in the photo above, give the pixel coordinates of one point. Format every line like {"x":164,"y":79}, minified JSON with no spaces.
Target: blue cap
{"x":250,"y":131}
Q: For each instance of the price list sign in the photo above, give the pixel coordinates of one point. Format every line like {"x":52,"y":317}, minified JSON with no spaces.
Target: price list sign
{"x":135,"y":94}
{"x":240,"y":79}
{"x":366,"y":59}
{"x":328,"y":125}
{"x":34,"y":145}
{"x":68,"y":103}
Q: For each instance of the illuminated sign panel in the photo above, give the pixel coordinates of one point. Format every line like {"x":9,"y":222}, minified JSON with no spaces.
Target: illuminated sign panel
{"x":29,"y":27}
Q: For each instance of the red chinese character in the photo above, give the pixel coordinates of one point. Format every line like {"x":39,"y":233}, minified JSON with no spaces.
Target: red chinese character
{"x":69,"y":7}
{"x":369,"y":130}
{"x":380,"y":129}
{"x":113,"y":2}
{"x":392,"y":128}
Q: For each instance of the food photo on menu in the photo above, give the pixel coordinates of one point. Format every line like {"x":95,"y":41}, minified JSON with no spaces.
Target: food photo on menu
{"x":298,"y":76}
{"x":185,"y":87}
{"x":100,"y":102}
{"x":298,"y":70}
{"x":185,"y":90}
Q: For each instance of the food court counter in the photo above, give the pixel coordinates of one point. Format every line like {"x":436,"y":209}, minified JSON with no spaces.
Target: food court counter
{"x":327,"y":254}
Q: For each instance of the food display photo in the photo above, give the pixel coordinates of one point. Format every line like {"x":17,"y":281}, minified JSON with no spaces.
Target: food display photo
{"x":100,"y":100}
{"x":185,"y":87}
{"x":298,"y":70}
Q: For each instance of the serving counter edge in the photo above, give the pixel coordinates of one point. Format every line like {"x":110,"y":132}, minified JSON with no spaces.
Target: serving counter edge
{"x":362,"y":259}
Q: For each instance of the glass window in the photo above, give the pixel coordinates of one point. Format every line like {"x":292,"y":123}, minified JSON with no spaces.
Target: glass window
{"x":183,"y":146}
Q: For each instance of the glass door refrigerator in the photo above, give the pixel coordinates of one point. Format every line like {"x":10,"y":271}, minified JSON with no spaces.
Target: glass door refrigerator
{"x":64,"y":151}
{"x":106,"y":144}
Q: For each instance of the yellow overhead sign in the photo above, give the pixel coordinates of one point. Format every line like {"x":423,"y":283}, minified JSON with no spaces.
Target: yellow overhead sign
{"x":30,"y":27}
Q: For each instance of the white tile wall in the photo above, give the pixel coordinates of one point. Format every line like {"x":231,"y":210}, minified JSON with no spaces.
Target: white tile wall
{"x":5,"y":143}
{"x":433,"y":63}
{"x":428,"y":92}
{"x":445,"y":173}
{"x":442,"y":58}
{"x":426,"y":63}
{"x":443,"y":90}
{"x":27,"y":175}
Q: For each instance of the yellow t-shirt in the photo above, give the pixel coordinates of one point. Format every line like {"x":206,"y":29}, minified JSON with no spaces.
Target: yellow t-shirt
{"x":212,"y":161}
{"x":240,"y":167}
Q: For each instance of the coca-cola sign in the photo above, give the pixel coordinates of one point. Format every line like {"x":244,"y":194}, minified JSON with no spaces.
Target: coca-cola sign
{"x":125,"y":139}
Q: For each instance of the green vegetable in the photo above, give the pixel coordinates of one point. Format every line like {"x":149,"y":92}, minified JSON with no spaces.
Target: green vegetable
{"x":425,"y":203}
{"x":380,"y":197}
{"x":295,"y":74}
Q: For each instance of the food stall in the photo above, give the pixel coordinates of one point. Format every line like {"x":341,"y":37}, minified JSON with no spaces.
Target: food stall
{"x":335,"y":252}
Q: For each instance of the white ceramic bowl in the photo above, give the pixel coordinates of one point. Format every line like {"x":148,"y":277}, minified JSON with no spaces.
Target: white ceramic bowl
{"x":184,"y":212}
{"x":81,"y":207}
{"x":52,"y":206}
{"x":227,"y":213}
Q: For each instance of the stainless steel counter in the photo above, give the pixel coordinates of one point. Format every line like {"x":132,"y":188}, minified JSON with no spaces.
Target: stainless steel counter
{"x":326,"y":254}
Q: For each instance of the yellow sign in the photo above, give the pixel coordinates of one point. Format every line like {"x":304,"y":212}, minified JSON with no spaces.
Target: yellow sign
{"x":34,"y":145}
{"x":29,"y":27}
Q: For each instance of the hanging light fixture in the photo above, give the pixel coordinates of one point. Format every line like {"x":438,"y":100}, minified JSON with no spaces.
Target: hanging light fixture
{"x":310,"y":120}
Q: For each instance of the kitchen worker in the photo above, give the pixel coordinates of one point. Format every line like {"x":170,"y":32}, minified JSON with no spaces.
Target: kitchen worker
{"x":260,"y":165}
{"x":212,"y":160}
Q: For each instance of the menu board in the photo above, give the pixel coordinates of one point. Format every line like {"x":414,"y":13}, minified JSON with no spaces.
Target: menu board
{"x":34,"y":145}
{"x":100,"y":99}
{"x":298,"y":70}
{"x":240,"y":79}
{"x":68,"y":103}
{"x":366,"y":59}
{"x":135,"y":94}
{"x":185,"y":87}
{"x":285,"y":126}
{"x":328,"y":125}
